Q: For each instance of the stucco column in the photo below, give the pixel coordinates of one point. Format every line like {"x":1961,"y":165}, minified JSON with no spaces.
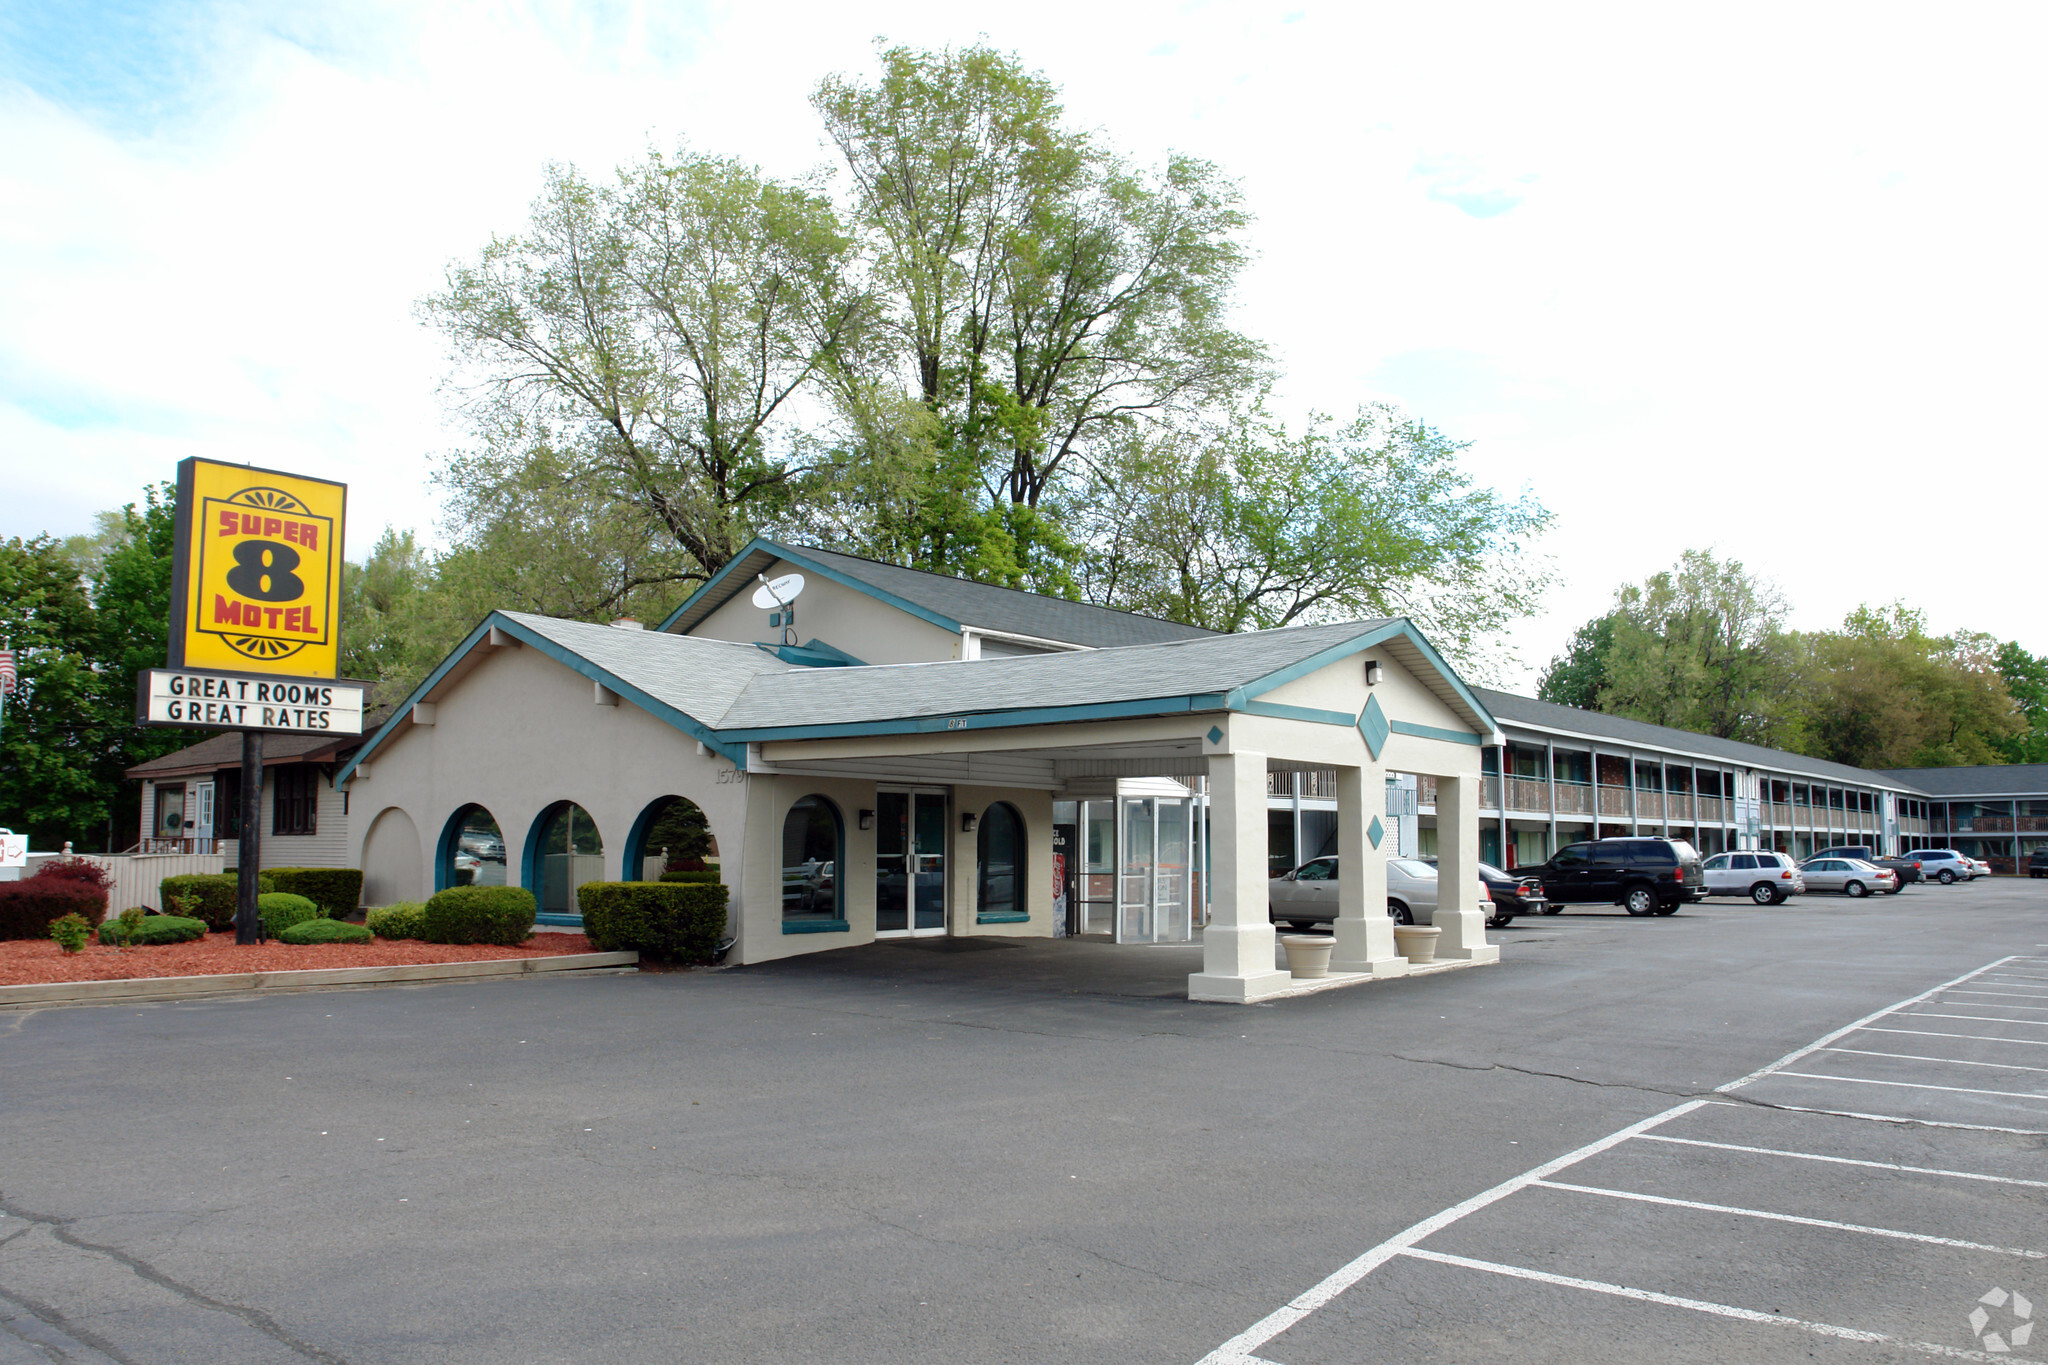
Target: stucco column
{"x":1365,"y":936}
{"x":1238,"y":945}
{"x":1457,"y":869}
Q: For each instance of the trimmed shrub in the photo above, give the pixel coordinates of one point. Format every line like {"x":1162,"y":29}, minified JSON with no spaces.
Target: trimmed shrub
{"x":281,"y":910}
{"x":336,"y":890}
{"x":214,"y":894}
{"x":407,"y":919}
{"x":674,"y":921}
{"x":318,"y":930}
{"x":481,"y":914}
{"x":81,"y":870}
{"x":700,"y":875}
{"x":28,"y":908}
{"x":71,"y":932}
{"x":150,"y":931}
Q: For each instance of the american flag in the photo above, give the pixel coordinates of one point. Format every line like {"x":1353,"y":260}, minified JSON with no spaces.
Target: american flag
{"x":6,"y":671}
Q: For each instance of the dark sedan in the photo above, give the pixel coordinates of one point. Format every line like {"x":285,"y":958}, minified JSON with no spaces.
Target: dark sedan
{"x":1511,"y":895}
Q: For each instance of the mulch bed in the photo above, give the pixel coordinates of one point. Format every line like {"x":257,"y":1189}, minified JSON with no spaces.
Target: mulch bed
{"x":39,"y":961}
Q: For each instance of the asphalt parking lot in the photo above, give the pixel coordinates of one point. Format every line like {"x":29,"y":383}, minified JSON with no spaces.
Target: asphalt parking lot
{"x":1740,"y":1133}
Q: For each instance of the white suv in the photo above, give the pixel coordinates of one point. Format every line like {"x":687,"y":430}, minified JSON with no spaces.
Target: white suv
{"x":1766,"y":878}
{"x":1945,"y":865}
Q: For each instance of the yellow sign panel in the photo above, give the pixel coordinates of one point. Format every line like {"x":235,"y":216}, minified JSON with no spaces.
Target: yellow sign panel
{"x":258,"y":571}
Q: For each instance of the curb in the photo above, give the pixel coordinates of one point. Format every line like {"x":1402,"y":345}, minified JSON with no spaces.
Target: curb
{"x":322,"y":978}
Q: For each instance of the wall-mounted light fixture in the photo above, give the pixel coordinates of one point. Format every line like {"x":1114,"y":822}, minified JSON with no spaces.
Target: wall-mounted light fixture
{"x":968,"y":820}
{"x":1373,"y":673}
{"x":867,"y":819}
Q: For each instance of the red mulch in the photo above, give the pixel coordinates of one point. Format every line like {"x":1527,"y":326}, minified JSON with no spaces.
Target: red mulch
{"x":25,"y":961}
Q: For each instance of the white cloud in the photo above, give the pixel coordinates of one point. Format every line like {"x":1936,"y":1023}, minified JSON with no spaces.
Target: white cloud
{"x":1755,"y":277}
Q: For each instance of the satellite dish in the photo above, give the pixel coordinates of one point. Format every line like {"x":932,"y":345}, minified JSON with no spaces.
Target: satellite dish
{"x":779,"y":592}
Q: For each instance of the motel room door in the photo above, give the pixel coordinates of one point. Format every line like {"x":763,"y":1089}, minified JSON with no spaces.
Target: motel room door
{"x":910,"y":863}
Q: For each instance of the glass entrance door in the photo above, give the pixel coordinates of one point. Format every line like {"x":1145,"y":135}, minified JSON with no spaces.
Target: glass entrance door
{"x":910,"y":862}
{"x":1154,"y":901}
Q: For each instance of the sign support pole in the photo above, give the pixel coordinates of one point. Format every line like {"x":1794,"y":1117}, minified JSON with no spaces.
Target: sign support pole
{"x":248,"y":921}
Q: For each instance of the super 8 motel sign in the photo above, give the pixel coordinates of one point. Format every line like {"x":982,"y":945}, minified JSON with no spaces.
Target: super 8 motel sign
{"x":258,"y":571}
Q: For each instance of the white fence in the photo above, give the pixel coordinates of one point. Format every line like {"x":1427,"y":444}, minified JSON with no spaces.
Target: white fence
{"x":138,"y":875}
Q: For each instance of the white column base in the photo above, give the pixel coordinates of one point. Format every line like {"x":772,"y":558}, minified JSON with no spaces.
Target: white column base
{"x":1464,"y":937}
{"x":1366,"y":946}
{"x":1237,"y":990}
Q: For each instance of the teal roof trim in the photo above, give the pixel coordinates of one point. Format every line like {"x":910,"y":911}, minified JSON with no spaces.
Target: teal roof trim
{"x":1409,"y":727}
{"x":688,"y":724}
{"x":794,"y":555}
{"x":403,"y":710}
{"x":1283,"y":712}
{"x":816,"y":654}
{"x":1400,"y":627}
{"x":987,"y":720}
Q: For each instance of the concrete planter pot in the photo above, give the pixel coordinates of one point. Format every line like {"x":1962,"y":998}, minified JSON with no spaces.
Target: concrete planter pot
{"x":1307,"y":955}
{"x":1416,"y":942}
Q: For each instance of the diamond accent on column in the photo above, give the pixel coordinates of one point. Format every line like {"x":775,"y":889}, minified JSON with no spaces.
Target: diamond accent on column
{"x":1215,"y":734}
{"x":1372,"y":723}
{"x":1375,"y":831}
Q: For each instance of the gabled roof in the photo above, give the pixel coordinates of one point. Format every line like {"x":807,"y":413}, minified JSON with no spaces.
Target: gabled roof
{"x":946,"y":602}
{"x":726,"y":694}
{"x":1990,"y":779}
{"x":1596,"y":725}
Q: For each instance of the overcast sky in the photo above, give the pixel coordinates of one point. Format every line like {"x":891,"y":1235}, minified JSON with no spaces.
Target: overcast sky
{"x":1767,"y":279}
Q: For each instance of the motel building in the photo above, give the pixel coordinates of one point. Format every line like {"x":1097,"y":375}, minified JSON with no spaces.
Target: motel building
{"x":893,"y":753}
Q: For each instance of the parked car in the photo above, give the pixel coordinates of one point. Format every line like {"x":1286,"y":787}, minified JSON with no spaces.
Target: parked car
{"x":1945,"y":865}
{"x":485,"y":847}
{"x":1511,"y":895}
{"x":1766,"y":878}
{"x":2036,"y":864}
{"x":1907,"y":869}
{"x":1983,"y":868}
{"x":1851,"y":876}
{"x":1643,"y":876}
{"x":1308,"y":894}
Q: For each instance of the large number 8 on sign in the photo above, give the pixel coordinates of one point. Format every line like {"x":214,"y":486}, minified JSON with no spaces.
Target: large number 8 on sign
{"x":263,"y":570}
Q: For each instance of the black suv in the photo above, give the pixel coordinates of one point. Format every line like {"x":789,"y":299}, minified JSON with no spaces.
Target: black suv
{"x":1643,"y":876}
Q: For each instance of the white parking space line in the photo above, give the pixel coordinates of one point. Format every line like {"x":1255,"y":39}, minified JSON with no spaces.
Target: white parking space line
{"x":1909,"y":1119}
{"x":1946,"y":1061}
{"x":1717,"y":1309}
{"x":1840,"y":1033}
{"x":1972,"y":1037}
{"x":1980,"y":1018}
{"x":1893,"y":1233}
{"x":1237,"y":1350}
{"x":1993,"y":1005}
{"x":2020,"y":976}
{"x":1844,"y":1160}
{"x":2008,"y":995}
{"x":1920,"y":1085}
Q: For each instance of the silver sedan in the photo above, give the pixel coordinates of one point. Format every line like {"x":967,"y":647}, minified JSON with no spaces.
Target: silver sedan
{"x":1308,"y":895}
{"x":1851,"y":876}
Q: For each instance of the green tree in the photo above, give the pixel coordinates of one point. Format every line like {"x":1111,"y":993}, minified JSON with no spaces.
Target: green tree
{"x":649,"y":336}
{"x":1040,"y":296}
{"x":1701,"y":647}
{"x":53,"y":737}
{"x":1250,"y":526}
{"x":131,"y":604}
{"x":2026,"y":679}
{"x":1578,"y":676}
{"x":1883,"y":693}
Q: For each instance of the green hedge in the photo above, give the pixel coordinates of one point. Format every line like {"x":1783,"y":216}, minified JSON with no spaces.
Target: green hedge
{"x":152,"y":931}
{"x":216,"y":892}
{"x":705,"y":875}
{"x":676,"y":921}
{"x":481,"y":914}
{"x":325,"y":931}
{"x":28,"y":908}
{"x":281,"y":910}
{"x":407,"y":919}
{"x":336,"y":890}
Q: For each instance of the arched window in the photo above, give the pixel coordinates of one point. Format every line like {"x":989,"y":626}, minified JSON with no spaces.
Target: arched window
{"x":813,"y":857}
{"x":999,"y":866}
{"x":671,"y":835}
{"x":471,"y":852}
{"x":562,"y":853}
